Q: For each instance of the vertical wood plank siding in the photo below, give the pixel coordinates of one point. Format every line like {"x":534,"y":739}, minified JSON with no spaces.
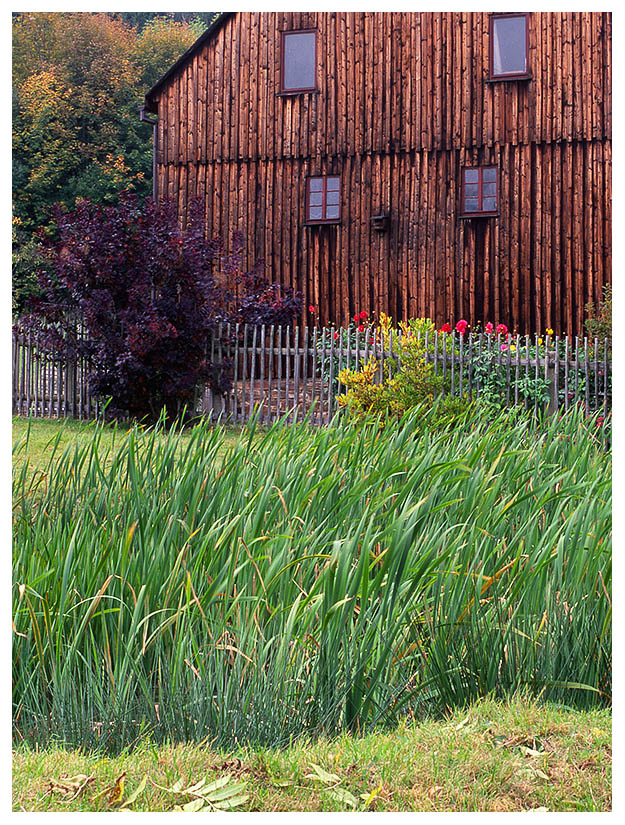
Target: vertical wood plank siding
{"x":403,"y":104}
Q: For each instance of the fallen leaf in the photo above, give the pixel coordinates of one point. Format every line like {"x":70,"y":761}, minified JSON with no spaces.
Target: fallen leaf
{"x":323,"y":776}
{"x":191,"y":807}
{"x":369,"y":798}
{"x":529,"y":751}
{"x":70,"y":786}
{"x":344,"y":796}
{"x":133,"y":796}
{"x":115,"y":792}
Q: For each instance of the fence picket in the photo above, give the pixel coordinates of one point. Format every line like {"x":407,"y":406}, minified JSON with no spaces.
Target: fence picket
{"x":287,"y":371}
{"x":305,"y":359}
{"x":279,"y":408}
{"x":270,"y":348}
{"x":314,"y":370}
{"x":331,"y":394}
{"x":556,"y":376}
{"x":586,"y":387}
{"x":296,"y":373}
{"x":596,"y":372}
{"x":605,"y":377}
{"x":262,"y":374}
{"x":253,"y":371}
{"x":321,"y":386}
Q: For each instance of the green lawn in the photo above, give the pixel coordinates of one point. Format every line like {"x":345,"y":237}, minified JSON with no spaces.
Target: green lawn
{"x":43,"y":435}
{"x":515,"y":756}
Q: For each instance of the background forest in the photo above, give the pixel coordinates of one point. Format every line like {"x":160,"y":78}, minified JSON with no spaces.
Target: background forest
{"x":78,"y":80}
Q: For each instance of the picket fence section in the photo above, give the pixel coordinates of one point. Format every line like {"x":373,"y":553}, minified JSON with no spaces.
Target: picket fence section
{"x":292,"y":372}
{"x":46,"y":385}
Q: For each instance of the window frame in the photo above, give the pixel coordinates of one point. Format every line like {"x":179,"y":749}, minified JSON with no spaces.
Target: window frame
{"x":316,"y":221}
{"x":482,"y":213}
{"x":526,"y":75}
{"x":305,"y":89}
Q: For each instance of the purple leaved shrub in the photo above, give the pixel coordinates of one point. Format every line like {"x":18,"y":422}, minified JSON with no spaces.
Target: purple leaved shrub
{"x":149,"y":296}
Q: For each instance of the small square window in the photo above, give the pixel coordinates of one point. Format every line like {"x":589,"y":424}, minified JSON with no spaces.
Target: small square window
{"x":479,"y":195}
{"x":323,"y":200}
{"x":299,"y":62}
{"x":509,"y":46}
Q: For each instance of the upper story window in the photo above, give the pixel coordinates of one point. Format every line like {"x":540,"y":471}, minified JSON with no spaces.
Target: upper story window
{"x":299,"y":61}
{"x":323,"y":196}
{"x":508,"y":46}
{"x":480,"y":195}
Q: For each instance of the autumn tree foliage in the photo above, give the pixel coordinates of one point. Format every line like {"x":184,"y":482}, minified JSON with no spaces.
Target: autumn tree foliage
{"x":78,"y":80}
{"x":147,"y":296}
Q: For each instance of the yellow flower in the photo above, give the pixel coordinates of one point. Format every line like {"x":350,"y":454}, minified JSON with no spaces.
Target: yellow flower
{"x":549,"y":331}
{"x":540,"y":342}
{"x":512,"y":348}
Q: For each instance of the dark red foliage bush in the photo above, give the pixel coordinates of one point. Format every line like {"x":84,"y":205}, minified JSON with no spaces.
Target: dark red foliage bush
{"x":149,"y":296}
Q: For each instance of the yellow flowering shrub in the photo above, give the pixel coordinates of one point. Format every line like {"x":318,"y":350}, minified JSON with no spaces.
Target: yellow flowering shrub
{"x":406,"y":381}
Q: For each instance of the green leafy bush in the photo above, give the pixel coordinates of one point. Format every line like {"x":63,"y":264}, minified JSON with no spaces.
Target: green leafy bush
{"x":405,"y":381}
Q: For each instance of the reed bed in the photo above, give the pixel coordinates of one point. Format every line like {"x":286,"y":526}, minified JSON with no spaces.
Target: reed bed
{"x":304,"y":581}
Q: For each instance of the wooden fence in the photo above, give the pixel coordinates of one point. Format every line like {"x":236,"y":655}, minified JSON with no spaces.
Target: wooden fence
{"x":293,"y":371}
{"x":45,"y":385}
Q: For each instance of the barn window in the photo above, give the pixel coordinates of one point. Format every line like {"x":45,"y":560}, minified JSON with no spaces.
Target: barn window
{"x":299,"y":61}
{"x":480,"y":195}
{"x":508,"y":46}
{"x":323,"y":200}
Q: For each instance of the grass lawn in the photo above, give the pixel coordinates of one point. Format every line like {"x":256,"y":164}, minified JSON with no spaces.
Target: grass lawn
{"x":516,"y":756}
{"x":67,"y":433}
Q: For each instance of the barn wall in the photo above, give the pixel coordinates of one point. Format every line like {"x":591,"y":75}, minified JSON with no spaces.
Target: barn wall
{"x":408,"y":81}
{"x":536,"y":266}
{"x":397,"y":116}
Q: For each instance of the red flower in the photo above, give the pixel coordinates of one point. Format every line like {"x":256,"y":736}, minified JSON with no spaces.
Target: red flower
{"x":361,"y":328}
{"x":371,"y":341}
{"x":356,"y":319}
{"x":311,"y":309}
{"x":461,"y":326}
{"x":364,"y":314}
{"x":336,"y":335}
{"x":489,"y":328}
{"x":445,"y":328}
{"x":502,"y":329}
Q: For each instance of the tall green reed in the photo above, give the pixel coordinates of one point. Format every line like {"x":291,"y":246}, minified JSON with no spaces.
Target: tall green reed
{"x":308,"y":580}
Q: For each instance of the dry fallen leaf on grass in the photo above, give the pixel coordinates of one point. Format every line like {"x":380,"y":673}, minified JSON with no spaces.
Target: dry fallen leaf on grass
{"x":115,"y":792}
{"x":71,"y":786}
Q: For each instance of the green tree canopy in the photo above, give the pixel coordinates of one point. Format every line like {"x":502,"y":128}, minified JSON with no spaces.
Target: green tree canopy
{"x":78,"y":80}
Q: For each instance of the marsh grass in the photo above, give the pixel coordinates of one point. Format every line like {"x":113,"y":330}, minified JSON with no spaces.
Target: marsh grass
{"x":301,"y":581}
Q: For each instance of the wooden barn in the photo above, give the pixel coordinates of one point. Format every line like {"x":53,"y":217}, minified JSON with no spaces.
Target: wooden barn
{"x":449,"y":165}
